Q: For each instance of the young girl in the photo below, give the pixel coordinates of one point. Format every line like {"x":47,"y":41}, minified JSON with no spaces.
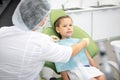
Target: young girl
{"x":70,"y":70}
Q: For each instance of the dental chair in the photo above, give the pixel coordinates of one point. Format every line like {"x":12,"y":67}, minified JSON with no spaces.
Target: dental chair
{"x":78,"y":33}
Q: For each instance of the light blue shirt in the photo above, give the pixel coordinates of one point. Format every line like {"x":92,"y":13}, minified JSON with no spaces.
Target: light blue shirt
{"x":81,"y":56}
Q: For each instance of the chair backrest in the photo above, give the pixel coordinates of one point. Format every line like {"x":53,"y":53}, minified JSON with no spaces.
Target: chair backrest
{"x":78,"y":33}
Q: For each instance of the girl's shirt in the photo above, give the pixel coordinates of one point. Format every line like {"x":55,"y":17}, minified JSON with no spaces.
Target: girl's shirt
{"x":81,"y":56}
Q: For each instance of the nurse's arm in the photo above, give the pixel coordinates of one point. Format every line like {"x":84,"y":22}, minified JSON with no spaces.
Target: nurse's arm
{"x":78,"y":47}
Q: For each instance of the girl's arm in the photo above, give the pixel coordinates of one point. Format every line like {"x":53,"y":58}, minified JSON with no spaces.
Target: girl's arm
{"x":91,"y":60}
{"x":64,"y":75}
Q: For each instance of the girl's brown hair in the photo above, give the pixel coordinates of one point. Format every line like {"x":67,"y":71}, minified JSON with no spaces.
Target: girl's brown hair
{"x":57,"y":22}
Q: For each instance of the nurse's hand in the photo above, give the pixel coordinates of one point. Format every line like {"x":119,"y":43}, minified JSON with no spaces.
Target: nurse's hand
{"x":79,"y":46}
{"x":87,"y":40}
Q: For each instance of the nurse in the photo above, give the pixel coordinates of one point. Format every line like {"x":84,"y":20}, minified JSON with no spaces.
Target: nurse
{"x":23,"y":51}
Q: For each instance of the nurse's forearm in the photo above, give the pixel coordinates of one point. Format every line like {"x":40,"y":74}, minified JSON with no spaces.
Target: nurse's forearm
{"x":78,"y":47}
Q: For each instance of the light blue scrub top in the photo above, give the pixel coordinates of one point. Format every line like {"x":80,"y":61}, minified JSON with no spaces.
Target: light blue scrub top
{"x":81,"y":56}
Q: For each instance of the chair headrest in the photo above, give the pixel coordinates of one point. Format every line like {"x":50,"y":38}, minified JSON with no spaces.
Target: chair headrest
{"x":55,"y":14}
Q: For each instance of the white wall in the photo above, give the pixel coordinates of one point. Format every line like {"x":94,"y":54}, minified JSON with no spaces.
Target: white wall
{"x":81,"y":3}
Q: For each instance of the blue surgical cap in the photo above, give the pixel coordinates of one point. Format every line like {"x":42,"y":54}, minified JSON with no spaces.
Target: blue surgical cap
{"x":29,"y":13}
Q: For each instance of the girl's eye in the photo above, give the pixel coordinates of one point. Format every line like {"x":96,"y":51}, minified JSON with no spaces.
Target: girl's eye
{"x":70,"y":25}
{"x":65,"y":26}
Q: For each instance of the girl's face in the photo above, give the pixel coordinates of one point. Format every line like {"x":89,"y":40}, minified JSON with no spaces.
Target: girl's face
{"x":65,"y":28}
